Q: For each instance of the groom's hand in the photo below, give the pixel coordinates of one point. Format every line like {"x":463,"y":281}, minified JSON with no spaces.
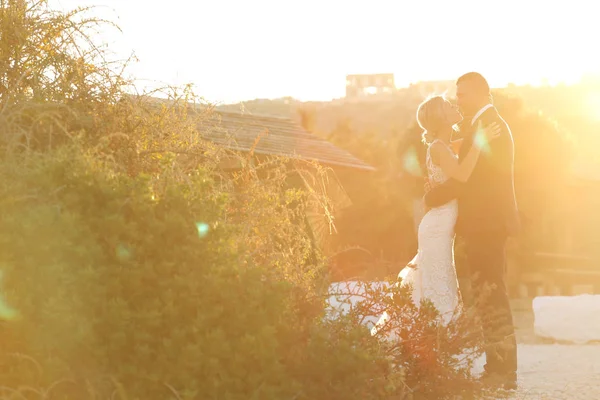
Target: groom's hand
{"x":438,"y":195}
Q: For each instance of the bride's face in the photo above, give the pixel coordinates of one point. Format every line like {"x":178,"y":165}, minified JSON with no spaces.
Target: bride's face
{"x":452,"y":114}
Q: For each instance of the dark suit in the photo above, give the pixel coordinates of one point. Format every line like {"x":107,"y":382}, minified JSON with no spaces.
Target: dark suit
{"x":487,"y":215}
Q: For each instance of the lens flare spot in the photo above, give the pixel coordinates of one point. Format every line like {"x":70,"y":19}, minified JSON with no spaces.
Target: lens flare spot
{"x":123,"y":252}
{"x":202,"y":228}
{"x":411,"y":162}
{"x":7,"y":313}
{"x":481,"y":141}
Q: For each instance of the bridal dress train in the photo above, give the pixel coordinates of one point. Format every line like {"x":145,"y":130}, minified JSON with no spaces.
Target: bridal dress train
{"x":431,"y":272}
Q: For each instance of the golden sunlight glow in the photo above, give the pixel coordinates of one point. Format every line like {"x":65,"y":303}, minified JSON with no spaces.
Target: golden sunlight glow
{"x":411,"y":163}
{"x":271,"y":49}
{"x":593,"y":105}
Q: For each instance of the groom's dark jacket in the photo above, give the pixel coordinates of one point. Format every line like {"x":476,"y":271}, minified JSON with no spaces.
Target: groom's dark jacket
{"x":486,"y":202}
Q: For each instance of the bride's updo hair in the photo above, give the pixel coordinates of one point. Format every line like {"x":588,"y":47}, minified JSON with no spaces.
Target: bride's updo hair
{"x":431,"y":117}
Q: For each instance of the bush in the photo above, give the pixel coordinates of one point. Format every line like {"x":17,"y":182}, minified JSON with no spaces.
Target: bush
{"x":134,"y":267}
{"x":435,"y":360}
{"x":156,"y":290}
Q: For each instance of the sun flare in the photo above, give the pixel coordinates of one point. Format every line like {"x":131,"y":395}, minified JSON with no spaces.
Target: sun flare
{"x":593,"y":105}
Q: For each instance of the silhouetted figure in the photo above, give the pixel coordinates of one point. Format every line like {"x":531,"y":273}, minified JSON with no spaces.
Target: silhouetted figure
{"x":487,"y":216}
{"x":431,"y":273}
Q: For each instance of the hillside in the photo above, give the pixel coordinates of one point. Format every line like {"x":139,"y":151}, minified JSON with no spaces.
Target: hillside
{"x":555,"y":131}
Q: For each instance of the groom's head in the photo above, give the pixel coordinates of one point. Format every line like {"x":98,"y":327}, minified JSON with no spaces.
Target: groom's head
{"x":472,"y":92}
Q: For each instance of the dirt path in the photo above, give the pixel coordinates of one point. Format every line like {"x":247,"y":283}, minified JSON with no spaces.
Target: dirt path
{"x":552,"y":371}
{"x":557,"y":372}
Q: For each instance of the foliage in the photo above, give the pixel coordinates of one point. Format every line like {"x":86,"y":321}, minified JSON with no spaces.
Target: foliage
{"x":435,"y":359}
{"x":54,"y":79}
{"x":117,"y":277}
{"x":380,"y":220}
{"x":544,"y":154}
{"x":133,"y":265}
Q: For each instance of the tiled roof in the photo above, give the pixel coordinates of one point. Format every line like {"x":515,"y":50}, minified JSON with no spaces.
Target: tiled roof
{"x":274,"y":136}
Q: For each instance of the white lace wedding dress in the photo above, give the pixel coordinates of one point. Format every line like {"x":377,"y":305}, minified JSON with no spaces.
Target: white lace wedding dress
{"x":434,"y":275}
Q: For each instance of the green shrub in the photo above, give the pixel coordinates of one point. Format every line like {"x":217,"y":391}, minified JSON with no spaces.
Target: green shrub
{"x":115,"y":281}
{"x":436,"y":359}
{"x":134,"y":268}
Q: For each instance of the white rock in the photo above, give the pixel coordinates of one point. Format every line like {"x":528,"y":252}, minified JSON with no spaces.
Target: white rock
{"x":344,"y":295}
{"x":568,"y":318}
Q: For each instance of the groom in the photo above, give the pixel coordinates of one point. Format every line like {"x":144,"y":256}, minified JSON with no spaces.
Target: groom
{"x":487,"y":216}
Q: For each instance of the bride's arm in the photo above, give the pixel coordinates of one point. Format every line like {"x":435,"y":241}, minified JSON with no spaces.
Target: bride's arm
{"x":440,"y":195}
{"x":456,"y":144}
{"x":442,"y":156}
{"x":461,"y":171}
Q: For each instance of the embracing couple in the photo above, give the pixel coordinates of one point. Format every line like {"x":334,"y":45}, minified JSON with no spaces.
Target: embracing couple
{"x":470,"y":193}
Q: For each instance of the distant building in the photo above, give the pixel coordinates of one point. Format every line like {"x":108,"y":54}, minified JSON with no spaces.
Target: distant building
{"x":364,"y":85}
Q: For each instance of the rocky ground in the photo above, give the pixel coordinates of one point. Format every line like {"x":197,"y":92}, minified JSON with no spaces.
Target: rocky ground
{"x":552,"y":371}
{"x":549,"y":370}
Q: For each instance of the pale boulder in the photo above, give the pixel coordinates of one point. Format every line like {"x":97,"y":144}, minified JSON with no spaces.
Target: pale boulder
{"x":573,"y":319}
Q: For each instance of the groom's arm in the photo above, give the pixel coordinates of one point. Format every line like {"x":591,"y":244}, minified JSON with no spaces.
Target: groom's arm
{"x":442,"y":194}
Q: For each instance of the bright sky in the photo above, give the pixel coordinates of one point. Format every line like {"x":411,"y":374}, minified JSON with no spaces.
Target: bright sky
{"x":244,"y":49}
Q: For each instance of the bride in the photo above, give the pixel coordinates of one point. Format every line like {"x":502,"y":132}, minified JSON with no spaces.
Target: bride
{"x":431,"y":273}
